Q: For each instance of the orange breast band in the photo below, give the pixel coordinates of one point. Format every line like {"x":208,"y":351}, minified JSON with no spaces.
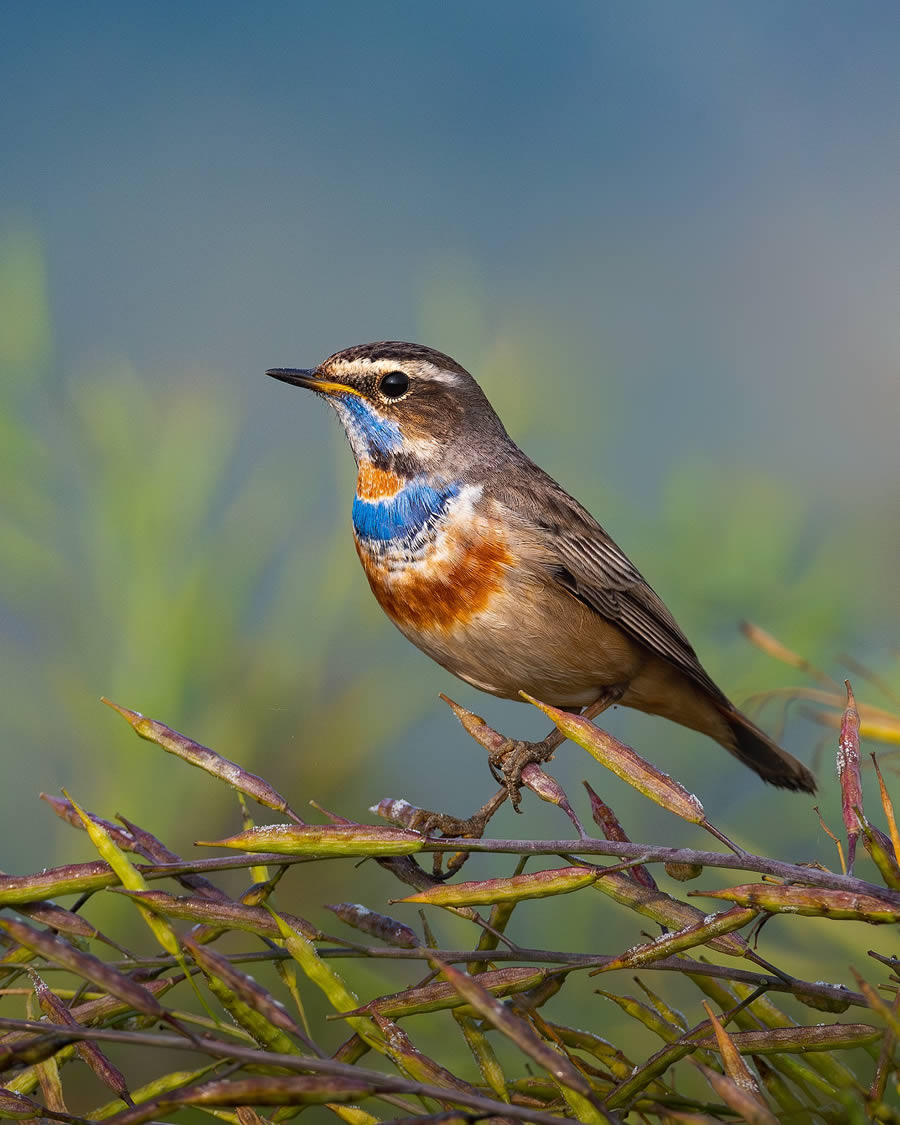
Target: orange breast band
{"x":376,"y":484}
{"x":439,"y":597}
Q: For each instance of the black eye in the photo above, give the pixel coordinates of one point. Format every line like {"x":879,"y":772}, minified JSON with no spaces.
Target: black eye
{"x":394,"y":384}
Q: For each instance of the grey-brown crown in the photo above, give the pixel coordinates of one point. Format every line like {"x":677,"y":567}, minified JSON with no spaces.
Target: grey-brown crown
{"x":397,"y":350}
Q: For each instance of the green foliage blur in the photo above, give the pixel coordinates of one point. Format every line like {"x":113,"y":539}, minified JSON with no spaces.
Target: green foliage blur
{"x":146,"y":557}
{"x":150,"y":553}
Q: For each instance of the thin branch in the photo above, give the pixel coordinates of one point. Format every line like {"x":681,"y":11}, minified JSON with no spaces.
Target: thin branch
{"x":650,"y":853}
{"x":682,"y":965}
{"x":646,"y":853}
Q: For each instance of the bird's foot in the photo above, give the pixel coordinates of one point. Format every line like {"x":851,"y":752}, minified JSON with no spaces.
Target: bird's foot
{"x":471,"y":827}
{"x":508,"y":761}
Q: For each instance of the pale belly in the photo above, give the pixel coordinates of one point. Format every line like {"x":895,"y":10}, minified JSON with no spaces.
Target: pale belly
{"x":541,"y":643}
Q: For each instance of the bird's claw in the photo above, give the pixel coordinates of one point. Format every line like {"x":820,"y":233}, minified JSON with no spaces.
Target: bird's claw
{"x":452,"y":826}
{"x":472,"y":827}
{"x":508,"y":761}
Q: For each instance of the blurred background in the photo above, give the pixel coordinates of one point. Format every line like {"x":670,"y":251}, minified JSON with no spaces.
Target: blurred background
{"x":665,"y":238}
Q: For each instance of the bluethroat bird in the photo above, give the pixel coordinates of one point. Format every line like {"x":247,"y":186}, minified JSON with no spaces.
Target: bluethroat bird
{"x":486,"y":564}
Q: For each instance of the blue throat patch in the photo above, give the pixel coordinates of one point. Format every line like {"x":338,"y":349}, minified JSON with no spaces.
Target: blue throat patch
{"x":365,"y":428}
{"x":404,"y":515}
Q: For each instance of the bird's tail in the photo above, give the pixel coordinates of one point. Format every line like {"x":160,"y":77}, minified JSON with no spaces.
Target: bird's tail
{"x":755,"y":749}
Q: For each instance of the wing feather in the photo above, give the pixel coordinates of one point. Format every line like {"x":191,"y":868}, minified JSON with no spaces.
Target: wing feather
{"x":587,"y":562}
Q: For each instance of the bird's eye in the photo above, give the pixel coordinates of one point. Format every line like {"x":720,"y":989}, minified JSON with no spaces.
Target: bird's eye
{"x":394,"y":384}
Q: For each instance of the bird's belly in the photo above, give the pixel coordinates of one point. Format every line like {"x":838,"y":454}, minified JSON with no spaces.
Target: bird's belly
{"x":468,"y":599}
{"x":535,"y":638}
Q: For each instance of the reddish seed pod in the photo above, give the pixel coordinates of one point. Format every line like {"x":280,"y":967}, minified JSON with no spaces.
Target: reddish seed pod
{"x":380,"y":926}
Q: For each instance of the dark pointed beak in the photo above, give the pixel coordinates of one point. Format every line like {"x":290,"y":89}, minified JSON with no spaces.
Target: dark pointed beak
{"x":305,"y":377}
{"x":299,"y":377}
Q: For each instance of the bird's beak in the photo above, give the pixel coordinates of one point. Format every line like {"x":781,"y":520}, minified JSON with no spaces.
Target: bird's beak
{"x":304,"y":377}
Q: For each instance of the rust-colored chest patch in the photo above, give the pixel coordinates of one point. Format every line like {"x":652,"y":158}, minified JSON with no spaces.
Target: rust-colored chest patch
{"x":375,"y":484}
{"x":438,"y":595}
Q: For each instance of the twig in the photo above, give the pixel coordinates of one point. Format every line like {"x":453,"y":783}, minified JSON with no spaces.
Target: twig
{"x":686,"y":965}
{"x":651,"y":853}
{"x":648,"y":853}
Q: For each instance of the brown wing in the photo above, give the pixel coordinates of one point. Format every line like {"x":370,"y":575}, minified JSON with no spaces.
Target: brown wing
{"x":587,"y":563}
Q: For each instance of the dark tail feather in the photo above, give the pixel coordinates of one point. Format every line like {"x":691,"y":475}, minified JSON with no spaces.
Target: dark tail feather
{"x":756,"y":750}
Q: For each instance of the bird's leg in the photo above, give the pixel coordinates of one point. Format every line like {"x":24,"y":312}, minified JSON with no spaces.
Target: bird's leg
{"x":508,"y":760}
{"x":472,"y":827}
{"x":609,"y":697}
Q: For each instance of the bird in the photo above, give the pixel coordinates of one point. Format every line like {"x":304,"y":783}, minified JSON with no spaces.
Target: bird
{"x":491,"y":568}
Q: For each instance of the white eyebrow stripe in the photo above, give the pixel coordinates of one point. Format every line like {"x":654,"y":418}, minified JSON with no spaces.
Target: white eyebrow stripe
{"x":419,"y":369}
{"x":442,"y":375}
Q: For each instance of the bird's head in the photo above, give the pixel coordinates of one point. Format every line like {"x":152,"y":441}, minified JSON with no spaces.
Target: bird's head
{"x":404,"y":405}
